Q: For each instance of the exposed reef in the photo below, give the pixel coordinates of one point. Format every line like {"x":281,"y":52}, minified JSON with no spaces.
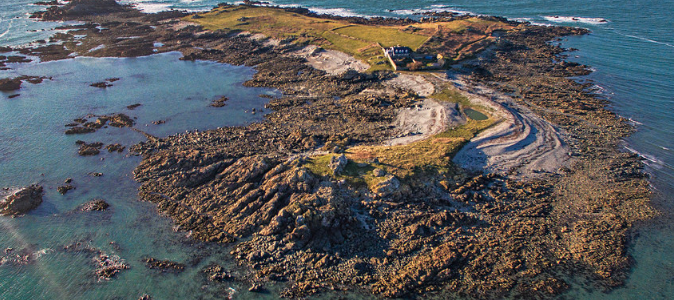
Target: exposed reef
{"x":311,"y":195}
{"x":94,"y":205}
{"x":164,"y":265}
{"x":105,"y":266}
{"x":13,"y":84}
{"x":21,"y":201}
{"x":82,"y":125}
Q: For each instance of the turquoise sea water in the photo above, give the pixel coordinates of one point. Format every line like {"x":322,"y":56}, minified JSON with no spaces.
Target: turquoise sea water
{"x":632,"y":54}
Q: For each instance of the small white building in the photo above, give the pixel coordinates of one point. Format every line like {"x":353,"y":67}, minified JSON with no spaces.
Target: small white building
{"x":398,"y":52}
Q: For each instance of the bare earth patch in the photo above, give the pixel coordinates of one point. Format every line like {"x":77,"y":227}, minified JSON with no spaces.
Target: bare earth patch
{"x":427,"y":119}
{"x":415,"y":83}
{"x":331,"y":61}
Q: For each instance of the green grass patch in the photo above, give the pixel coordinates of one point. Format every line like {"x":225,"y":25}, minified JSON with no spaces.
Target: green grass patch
{"x":467,"y":131}
{"x":356,"y":173}
{"x":345,"y":44}
{"x":386,"y":36}
{"x":451,"y":95}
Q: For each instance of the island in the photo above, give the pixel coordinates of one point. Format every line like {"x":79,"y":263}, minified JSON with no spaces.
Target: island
{"x":406,"y":157}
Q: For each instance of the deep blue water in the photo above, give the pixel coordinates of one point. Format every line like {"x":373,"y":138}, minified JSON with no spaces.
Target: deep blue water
{"x":632,"y":54}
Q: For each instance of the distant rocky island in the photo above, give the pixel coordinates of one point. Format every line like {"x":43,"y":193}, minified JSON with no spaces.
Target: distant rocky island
{"x":478,"y":168}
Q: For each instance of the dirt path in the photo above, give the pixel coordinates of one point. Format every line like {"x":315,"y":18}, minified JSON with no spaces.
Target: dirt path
{"x":522,"y":143}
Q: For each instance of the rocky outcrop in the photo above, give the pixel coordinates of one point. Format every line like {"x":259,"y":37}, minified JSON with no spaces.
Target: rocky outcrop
{"x":337,"y":164}
{"x":65,"y":188}
{"x":83,"y":125}
{"x":105,"y":266}
{"x":13,"y":84}
{"x":101,"y":84}
{"x":89,"y":149}
{"x":94,"y":205}
{"x":22,"y":201}
{"x":387,"y":187}
{"x":164,"y":265}
{"x":115,"y":148}
{"x":77,"y":9}
{"x":9,"y":84}
{"x":216,"y":273}
{"x":220,"y":102}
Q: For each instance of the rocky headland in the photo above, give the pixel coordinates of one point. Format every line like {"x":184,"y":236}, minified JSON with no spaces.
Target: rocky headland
{"x":317,"y":196}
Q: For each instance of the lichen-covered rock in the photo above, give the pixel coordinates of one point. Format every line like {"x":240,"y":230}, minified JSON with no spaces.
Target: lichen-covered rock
{"x":22,"y":201}
{"x":337,"y":164}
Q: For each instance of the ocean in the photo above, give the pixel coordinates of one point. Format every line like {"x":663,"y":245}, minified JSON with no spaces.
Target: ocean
{"x":631,"y":49}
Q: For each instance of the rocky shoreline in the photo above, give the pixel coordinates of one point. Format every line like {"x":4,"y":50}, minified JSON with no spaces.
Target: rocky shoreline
{"x":408,"y":234}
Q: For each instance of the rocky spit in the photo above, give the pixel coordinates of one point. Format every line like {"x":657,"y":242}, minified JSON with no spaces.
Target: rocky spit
{"x":476,"y":235}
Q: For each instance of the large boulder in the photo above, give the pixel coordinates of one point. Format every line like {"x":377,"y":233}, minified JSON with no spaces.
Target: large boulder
{"x":387,"y":187}
{"x":337,"y":164}
{"x":21,"y":202}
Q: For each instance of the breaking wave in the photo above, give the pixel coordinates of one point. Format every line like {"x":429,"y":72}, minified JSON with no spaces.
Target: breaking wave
{"x":436,"y":8}
{"x":561,"y":19}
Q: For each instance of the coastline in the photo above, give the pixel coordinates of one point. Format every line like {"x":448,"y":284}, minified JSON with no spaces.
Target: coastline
{"x":492,"y":199}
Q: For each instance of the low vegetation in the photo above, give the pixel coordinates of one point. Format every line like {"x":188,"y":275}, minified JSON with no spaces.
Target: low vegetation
{"x":364,"y":42}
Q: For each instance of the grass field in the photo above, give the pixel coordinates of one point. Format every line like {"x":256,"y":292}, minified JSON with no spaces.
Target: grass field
{"x":361,"y":41}
{"x":385,"y":36}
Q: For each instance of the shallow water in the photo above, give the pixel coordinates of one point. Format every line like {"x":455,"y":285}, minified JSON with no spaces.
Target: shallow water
{"x":632,"y":53}
{"x":34,"y":149}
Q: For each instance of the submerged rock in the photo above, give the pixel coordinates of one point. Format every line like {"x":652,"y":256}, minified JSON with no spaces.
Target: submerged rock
{"x":21,"y":202}
{"x":164,"y":265}
{"x":101,"y":84}
{"x":220,"y":102}
{"x":107,"y":266}
{"x":115,"y":148}
{"x":216,"y":273}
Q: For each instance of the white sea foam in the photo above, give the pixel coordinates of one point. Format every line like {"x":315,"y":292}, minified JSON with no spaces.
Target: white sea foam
{"x":99,"y":47}
{"x":42,"y":252}
{"x":651,"y":160}
{"x":561,"y":19}
{"x":152,"y":8}
{"x":9,"y":28}
{"x":649,"y":40}
{"x":635,"y":122}
{"x":343,"y":12}
{"x":436,"y":8}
